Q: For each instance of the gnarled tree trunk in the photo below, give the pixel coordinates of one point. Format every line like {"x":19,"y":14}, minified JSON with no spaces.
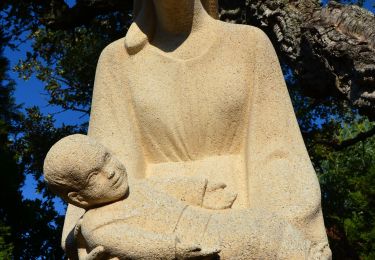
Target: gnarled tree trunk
{"x":331,"y":49}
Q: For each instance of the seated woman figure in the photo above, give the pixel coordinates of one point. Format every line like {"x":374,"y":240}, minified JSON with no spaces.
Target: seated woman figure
{"x":188,"y":95}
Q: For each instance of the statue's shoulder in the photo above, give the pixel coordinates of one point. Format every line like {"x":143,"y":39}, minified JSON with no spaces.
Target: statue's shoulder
{"x":114,"y":51}
{"x":99,"y":217}
{"x":242,"y":34}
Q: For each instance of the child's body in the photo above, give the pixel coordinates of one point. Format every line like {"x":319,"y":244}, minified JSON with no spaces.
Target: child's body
{"x":145,"y":222}
{"x":149,"y":224}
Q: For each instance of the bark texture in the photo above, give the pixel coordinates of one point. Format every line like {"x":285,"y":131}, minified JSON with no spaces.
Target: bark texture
{"x":331,"y":49}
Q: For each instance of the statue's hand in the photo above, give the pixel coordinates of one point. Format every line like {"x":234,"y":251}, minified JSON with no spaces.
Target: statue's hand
{"x":96,"y":254}
{"x":190,"y":251}
{"x":217,"y":197}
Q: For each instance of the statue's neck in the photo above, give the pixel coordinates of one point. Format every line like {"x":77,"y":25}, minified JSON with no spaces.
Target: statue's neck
{"x":181,"y":17}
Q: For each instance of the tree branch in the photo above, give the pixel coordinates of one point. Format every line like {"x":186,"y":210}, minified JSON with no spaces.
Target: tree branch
{"x":338,"y":146}
{"x":61,"y":17}
{"x":330,"y":49}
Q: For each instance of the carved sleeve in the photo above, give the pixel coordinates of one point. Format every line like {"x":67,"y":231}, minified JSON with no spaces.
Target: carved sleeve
{"x":188,"y":189}
{"x":195,"y":191}
{"x":127,"y":242}
{"x":281,"y":178}
{"x":112,"y":120}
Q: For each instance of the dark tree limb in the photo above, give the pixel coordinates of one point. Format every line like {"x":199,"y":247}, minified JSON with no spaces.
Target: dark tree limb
{"x":338,"y":146}
{"x":62,"y":17}
{"x":343,"y":39}
{"x":331,"y":49}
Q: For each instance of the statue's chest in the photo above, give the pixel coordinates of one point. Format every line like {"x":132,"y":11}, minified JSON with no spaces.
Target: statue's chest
{"x":190,"y":110}
{"x":193,"y":88}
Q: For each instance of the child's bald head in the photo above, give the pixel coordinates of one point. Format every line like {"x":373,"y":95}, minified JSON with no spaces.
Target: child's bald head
{"x":84,"y":173}
{"x":69,"y":162}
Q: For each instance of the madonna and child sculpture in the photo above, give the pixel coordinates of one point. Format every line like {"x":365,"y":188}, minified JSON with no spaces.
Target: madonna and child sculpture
{"x":193,"y":149}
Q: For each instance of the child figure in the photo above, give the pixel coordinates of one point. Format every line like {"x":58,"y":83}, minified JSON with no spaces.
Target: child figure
{"x":157,"y":220}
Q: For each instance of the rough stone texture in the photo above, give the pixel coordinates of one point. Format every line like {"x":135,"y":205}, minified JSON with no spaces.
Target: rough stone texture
{"x":341,"y":37}
{"x":188,"y":96}
{"x":162,"y":217}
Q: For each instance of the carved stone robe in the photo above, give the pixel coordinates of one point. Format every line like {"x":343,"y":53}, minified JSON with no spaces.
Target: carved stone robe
{"x":225,"y":115}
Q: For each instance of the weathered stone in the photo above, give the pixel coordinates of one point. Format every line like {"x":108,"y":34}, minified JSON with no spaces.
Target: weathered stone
{"x":189,"y":103}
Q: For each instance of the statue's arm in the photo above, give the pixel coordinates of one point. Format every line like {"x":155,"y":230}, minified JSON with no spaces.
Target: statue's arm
{"x":112,"y":122}
{"x":124,"y":241}
{"x":112,"y":119}
{"x":195,"y":191}
{"x":280,"y":173}
{"x":188,"y":189}
{"x":68,"y":239}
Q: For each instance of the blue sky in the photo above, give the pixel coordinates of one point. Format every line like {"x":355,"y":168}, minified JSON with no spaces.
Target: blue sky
{"x":31,"y":93}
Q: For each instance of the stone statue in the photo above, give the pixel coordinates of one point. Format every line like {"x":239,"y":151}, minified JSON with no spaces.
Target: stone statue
{"x":184,"y":94}
{"x":143,"y":222}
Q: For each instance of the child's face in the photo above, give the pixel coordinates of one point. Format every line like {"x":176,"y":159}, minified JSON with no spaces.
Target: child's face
{"x":107,"y":184}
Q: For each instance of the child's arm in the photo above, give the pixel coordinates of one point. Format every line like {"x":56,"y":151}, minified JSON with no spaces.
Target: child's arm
{"x":188,"y":189}
{"x":196,"y":191}
{"x":123,"y":241}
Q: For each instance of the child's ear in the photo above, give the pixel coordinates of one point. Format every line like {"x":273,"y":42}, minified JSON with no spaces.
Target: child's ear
{"x":77,"y":199}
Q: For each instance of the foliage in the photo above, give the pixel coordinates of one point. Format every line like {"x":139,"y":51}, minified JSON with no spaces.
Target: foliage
{"x":343,"y":158}
{"x":6,"y":247}
{"x":10,"y":178}
{"x":28,"y":228}
{"x":63,"y":56}
{"x":348,"y":180}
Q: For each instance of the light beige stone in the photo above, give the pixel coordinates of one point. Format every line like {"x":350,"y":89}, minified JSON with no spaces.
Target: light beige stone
{"x":158,"y":219}
{"x":184,"y":95}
